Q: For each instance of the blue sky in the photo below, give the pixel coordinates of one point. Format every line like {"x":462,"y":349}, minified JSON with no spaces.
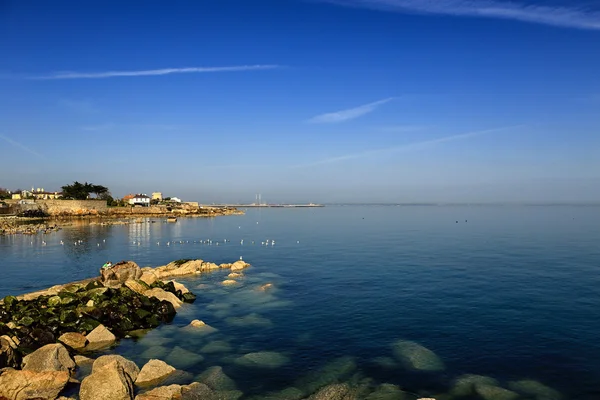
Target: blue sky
{"x":304,"y":100}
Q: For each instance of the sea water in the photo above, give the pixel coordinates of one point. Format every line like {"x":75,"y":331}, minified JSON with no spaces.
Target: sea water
{"x":508,"y":292}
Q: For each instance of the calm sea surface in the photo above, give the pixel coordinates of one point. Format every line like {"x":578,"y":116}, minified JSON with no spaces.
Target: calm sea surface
{"x":508,"y":292}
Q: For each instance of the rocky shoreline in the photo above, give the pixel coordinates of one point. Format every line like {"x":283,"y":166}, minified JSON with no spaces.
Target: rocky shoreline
{"x":26,"y":226}
{"x":44,"y":335}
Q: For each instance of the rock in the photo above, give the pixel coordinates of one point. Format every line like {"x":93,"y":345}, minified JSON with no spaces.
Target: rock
{"x":490,"y":392}
{"x":263,"y":359}
{"x":9,"y":357}
{"x":119,"y":273}
{"x":229,"y":282}
{"x":235,"y":275}
{"x":161,"y":393}
{"x":535,"y":389}
{"x":251,"y":320}
{"x":387,"y":391}
{"x":180,"y":287}
{"x":148,"y":277}
{"x":179,"y":268}
{"x":155,"y":352}
{"x":109,"y":382}
{"x":215,"y":378}
{"x":129,"y":367}
{"x":51,"y":357}
{"x":183,"y":359}
{"x":385,"y":362}
{"x":153,"y":373}
{"x":338,"y":391}
{"x":336,"y":370}
{"x":417,"y":357}
{"x":239,"y":265}
{"x":137,"y":287}
{"x":83,"y":360}
{"x":24,"y":385}
{"x":198,"y":391}
{"x":200,"y":327}
{"x":464,"y":385}
{"x":74,"y":340}
{"x":218,"y":346}
{"x":290,"y":393}
{"x":265,"y":287}
{"x":99,"y":338}
{"x":163,"y":295}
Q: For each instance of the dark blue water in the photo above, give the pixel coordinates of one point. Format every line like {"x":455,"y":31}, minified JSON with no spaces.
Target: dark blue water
{"x":507,"y":292}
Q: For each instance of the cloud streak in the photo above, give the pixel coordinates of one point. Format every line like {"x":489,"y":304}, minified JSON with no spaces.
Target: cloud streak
{"x":151,"y":72}
{"x":577,"y":17}
{"x":21,"y":146}
{"x":346,"y":115}
{"x":407,"y":147}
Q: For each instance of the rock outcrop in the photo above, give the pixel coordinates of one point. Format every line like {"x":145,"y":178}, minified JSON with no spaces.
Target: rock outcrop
{"x":25,"y":385}
{"x":120,"y":273}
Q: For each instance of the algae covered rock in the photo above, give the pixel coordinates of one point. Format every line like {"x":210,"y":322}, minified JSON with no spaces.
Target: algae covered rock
{"x":416,"y":357}
{"x":25,"y":385}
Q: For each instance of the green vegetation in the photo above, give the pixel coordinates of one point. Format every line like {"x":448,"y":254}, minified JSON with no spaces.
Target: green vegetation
{"x":4,"y":194}
{"x":179,"y":263}
{"x":82,"y":191}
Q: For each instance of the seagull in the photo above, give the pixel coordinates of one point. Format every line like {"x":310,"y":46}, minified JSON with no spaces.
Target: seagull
{"x":62,"y":243}
{"x":242,"y":242}
{"x":240,"y":257}
{"x":273,"y":243}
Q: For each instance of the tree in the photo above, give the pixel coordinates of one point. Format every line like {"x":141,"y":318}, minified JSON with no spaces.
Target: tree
{"x":82,"y":191}
{"x":4,"y":194}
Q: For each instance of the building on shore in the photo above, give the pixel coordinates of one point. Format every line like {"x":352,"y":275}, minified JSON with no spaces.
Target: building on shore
{"x":140,"y":200}
{"x":157,"y":196}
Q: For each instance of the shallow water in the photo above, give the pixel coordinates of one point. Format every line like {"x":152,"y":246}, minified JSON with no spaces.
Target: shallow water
{"x":507,"y":292}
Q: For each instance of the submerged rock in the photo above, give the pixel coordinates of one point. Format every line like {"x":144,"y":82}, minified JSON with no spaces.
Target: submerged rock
{"x":239,"y":266}
{"x":336,"y":370}
{"x":229,"y":282}
{"x":182,"y":358}
{"x":263,"y":359}
{"x":535,"y":389}
{"x":153,"y":373}
{"x":109,"y":382}
{"x":216,"y":379}
{"x":338,"y":391}
{"x":199,"y":327}
{"x":52,"y":357}
{"x":25,"y":385}
{"x":251,"y":320}
{"x":465,"y":385}
{"x":387,"y":391}
{"x":490,"y":392}
{"x":416,"y":357}
{"x":218,"y":346}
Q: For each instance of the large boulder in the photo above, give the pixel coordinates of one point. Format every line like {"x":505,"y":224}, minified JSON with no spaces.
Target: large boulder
{"x":120,"y":273}
{"x":416,"y":357}
{"x":24,"y":385}
{"x":51,"y":357}
{"x":109,"y":383}
{"x":74,"y":340}
{"x":139,"y":287}
{"x":128,"y":366}
{"x":154,"y":372}
{"x":179,"y":268}
{"x":9,"y":357}
{"x":100,"y":338}
{"x":161,"y":294}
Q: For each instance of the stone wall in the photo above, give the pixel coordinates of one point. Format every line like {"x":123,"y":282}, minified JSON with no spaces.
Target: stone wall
{"x":74,"y":207}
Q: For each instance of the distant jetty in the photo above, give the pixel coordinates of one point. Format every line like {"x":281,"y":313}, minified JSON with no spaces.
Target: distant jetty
{"x":253,"y":205}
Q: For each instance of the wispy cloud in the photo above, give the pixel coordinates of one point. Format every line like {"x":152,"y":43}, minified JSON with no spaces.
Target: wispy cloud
{"x":21,"y":146}
{"x":151,"y":72}
{"x":407,"y":147}
{"x":346,"y":115}
{"x":578,"y":17}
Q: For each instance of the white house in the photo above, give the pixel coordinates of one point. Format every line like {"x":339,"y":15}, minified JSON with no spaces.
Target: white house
{"x":140,"y":200}
{"x":176,"y":199}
